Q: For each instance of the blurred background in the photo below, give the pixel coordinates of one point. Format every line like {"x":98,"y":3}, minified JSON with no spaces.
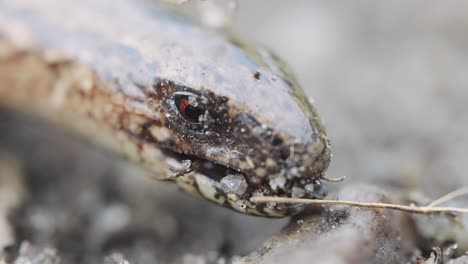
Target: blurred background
{"x":388,"y":79}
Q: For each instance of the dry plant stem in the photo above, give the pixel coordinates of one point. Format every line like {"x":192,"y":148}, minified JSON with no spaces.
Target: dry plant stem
{"x":405,"y":208}
{"x":333,"y":179}
{"x":449,"y":196}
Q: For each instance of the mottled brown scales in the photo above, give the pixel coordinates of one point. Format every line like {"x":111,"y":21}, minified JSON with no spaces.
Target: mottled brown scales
{"x":171,"y":96}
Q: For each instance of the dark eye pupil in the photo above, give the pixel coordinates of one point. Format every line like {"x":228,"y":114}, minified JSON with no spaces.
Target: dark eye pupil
{"x":187,"y":110}
{"x":193,"y":113}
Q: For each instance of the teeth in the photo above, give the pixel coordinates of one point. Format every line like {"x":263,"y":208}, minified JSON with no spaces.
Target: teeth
{"x":297,"y":192}
{"x":271,"y":205}
{"x":180,"y":168}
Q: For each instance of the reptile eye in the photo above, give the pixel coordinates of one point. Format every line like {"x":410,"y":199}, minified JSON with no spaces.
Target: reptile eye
{"x":189,"y":107}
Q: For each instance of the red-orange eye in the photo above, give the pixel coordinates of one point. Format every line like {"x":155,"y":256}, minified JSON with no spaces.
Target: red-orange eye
{"x":188,"y":108}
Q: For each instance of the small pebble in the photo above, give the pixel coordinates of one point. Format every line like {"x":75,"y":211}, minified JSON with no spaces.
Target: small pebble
{"x":241,"y":204}
{"x":318,"y":191}
{"x":234,"y":183}
{"x":277,"y":183}
{"x":297,"y":192}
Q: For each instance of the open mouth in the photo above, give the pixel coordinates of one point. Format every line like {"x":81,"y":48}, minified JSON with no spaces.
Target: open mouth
{"x":226,"y":186}
{"x":225,"y":179}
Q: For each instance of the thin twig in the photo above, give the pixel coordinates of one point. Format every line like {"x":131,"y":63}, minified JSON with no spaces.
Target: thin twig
{"x":449,"y":196}
{"x":335,"y":179}
{"x":405,"y":208}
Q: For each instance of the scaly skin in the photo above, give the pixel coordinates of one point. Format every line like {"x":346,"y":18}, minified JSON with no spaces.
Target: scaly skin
{"x":122,"y":73}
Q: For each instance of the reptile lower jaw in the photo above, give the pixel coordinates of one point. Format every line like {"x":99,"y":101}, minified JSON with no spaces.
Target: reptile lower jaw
{"x":226,"y":186}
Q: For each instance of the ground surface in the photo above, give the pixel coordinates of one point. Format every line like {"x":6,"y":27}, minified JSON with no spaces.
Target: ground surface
{"x":388,"y":78}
